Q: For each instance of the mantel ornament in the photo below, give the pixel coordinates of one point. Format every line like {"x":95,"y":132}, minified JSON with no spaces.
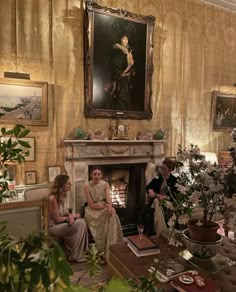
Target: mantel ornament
{"x":159,"y":135}
{"x":119,"y":130}
{"x":80,"y":134}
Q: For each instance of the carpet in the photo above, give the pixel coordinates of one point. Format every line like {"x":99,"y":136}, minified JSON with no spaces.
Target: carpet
{"x":80,"y":269}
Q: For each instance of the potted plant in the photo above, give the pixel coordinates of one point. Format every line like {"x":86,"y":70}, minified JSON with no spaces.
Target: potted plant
{"x":199,"y":185}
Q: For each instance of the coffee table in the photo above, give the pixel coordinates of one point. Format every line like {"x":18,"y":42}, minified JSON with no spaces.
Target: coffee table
{"x":123,"y":263}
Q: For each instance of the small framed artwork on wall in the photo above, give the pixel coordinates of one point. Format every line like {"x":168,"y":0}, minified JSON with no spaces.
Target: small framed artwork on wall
{"x":30,"y":177}
{"x":29,"y":153}
{"x":24,"y":102}
{"x":30,"y":156}
{"x":223,"y":111}
{"x":53,"y":171}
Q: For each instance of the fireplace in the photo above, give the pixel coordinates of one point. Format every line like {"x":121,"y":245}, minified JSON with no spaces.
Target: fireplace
{"x":128,"y":166}
{"x":127,"y":182}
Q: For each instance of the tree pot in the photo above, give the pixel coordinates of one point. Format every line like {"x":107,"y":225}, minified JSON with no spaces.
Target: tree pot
{"x":205,"y":233}
{"x":202,"y":250}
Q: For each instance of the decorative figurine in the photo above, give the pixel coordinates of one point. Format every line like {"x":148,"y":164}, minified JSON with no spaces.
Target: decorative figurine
{"x":80,"y":134}
{"x":159,"y":135}
{"x":97,"y":135}
{"x":144,"y":135}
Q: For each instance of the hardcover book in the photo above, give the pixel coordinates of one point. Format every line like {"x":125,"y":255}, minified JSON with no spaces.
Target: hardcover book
{"x":192,"y":281}
{"x":142,"y":243}
{"x":142,"y":253}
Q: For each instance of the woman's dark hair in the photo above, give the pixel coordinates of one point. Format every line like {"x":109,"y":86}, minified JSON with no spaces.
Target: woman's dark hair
{"x":96,"y":167}
{"x":169,"y":163}
{"x":58,"y":184}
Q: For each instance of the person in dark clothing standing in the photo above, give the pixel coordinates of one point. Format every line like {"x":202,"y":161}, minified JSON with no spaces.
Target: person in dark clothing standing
{"x":160,"y":188}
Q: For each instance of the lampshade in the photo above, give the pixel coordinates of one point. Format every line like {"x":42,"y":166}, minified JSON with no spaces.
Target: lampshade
{"x":211,"y":157}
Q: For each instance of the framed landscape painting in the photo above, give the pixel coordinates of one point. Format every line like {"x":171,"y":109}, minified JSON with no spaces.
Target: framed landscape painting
{"x":23,"y":102}
{"x":118,"y":63}
{"x":223,"y":111}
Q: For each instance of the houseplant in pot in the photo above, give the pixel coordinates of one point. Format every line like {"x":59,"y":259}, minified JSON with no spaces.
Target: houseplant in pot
{"x":200,"y":185}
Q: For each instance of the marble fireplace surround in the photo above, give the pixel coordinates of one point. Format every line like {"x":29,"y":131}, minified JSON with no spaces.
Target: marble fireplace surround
{"x":80,"y":154}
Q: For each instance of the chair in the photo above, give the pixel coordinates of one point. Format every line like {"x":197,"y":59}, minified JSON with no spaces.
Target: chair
{"x":25,"y":217}
{"x":34,"y":194}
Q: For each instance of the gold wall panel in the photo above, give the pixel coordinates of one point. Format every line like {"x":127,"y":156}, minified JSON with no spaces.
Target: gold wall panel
{"x":194,"y":54}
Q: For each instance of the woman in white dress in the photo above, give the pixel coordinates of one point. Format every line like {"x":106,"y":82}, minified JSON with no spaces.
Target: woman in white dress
{"x":70,"y":229}
{"x":100,"y":216}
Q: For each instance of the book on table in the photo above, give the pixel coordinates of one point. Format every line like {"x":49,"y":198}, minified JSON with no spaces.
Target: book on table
{"x":143,"y":253}
{"x":141,"y":243}
{"x":193,"y":281}
{"x":167,"y":268}
{"x":142,"y":246}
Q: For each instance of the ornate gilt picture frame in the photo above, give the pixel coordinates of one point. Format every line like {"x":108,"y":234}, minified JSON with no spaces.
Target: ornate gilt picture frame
{"x":118,"y":63}
{"x":223,"y":111}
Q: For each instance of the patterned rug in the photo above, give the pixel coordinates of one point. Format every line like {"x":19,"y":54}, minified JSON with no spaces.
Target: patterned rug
{"x":81,"y":277}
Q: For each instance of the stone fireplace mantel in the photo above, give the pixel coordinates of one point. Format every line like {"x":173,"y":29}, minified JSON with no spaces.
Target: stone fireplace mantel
{"x":80,"y":154}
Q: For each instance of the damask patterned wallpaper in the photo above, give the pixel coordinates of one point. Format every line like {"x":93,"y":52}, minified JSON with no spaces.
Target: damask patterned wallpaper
{"x":194,"y":54}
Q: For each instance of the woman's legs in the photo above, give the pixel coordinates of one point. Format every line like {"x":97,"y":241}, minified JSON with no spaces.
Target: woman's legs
{"x":75,"y":238}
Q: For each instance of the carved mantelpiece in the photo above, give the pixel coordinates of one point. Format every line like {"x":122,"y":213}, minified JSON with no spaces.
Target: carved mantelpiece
{"x":80,"y":154}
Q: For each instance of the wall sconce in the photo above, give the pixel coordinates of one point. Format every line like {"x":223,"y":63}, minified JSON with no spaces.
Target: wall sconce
{"x":16,"y":75}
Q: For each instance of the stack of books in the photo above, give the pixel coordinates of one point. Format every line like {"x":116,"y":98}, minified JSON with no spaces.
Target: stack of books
{"x":142,"y":245}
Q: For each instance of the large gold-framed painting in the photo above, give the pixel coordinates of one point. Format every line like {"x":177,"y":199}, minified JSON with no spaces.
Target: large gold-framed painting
{"x":118,"y":63}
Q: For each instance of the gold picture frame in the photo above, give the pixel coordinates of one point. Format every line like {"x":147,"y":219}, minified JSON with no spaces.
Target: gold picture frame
{"x":223,"y":111}
{"x":23,"y":102}
{"x":110,"y":94}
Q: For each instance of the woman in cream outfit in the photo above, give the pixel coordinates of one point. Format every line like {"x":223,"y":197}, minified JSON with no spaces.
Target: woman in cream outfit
{"x":100,"y":216}
{"x":71,"y":229}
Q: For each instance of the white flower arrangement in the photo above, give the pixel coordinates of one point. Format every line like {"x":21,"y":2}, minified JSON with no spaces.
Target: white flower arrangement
{"x":199,"y":184}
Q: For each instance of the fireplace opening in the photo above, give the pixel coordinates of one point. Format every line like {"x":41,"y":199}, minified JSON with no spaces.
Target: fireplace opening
{"x":127,"y":185}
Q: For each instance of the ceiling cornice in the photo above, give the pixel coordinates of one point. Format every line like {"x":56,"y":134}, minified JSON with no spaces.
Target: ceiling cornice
{"x":226,"y":4}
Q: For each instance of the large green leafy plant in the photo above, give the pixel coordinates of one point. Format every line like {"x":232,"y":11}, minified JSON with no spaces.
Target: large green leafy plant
{"x":35,"y":263}
{"x":12,"y":149}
